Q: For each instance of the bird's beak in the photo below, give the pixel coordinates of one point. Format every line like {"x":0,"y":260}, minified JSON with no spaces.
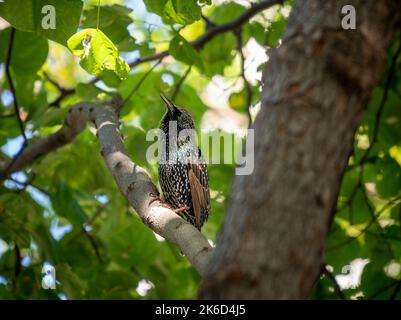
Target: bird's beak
{"x":168,"y":103}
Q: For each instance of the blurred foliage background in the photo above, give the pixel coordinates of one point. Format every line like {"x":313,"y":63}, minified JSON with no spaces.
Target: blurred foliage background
{"x":65,"y":209}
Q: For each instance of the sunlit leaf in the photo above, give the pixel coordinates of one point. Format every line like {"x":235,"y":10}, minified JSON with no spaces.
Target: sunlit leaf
{"x":97,"y":53}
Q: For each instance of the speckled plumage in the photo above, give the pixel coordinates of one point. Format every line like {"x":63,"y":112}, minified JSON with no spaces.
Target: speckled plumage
{"x":182,"y":170}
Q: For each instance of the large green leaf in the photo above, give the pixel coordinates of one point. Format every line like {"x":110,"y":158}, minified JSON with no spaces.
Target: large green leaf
{"x":218,"y":53}
{"x":183,"y":51}
{"x":27,"y":15}
{"x":226,"y":12}
{"x":97,"y":53}
{"x":29,"y":50}
{"x":66,"y":205}
{"x":179,"y":11}
{"x":182,"y":11}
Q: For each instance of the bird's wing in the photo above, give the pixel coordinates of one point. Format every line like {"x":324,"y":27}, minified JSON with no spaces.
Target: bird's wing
{"x":199,"y":190}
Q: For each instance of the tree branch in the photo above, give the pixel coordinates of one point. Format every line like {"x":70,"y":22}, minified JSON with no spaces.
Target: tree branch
{"x":216,"y":30}
{"x":332,"y":278}
{"x":64,"y":92}
{"x":212,"y":31}
{"x":142,"y":194}
{"x":133,"y":181}
{"x":74,"y":124}
{"x":12,"y":88}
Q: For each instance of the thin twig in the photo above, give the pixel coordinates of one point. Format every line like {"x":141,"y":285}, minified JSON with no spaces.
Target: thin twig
{"x":332,"y":278}
{"x":64,"y":92}
{"x":376,"y":128}
{"x":12,"y":88}
{"x":94,"y":245}
{"x":4,"y":116}
{"x":393,"y":202}
{"x":383,"y":101}
{"x":17,"y":265}
{"x":138,"y":85}
{"x":217,"y":30}
{"x":179,"y":84}
{"x":396,"y":290}
{"x":209,"y":23}
{"x":198,"y":44}
{"x":384,"y":289}
{"x":376,"y":222}
{"x":16,"y":108}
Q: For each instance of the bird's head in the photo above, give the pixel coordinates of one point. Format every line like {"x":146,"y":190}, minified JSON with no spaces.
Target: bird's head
{"x":175,"y":113}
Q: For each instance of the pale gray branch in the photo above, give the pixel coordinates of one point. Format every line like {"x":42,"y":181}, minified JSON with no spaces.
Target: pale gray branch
{"x":142,"y":194}
{"x":133,"y":181}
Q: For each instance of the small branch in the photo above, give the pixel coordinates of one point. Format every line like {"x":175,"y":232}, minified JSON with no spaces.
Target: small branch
{"x":216,"y":30}
{"x":376,"y":222}
{"x":179,"y":84}
{"x":17,"y":266}
{"x":74,"y":124}
{"x":332,"y":278}
{"x":382,"y":103}
{"x":198,"y":44}
{"x":133,"y":181}
{"x":63,"y":91}
{"x":4,"y":116}
{"x":365,"y":158}
{"x":94,"y":245}
{"x":141,"y":193}
{"x":396,"y":290}
{"x":393,"y":202}
{"x":25,"y":184}
{"x":16,"y":107}
{"x":209,"y":23}
{"x":386,"y":288}
{"x":12,"y":88}
{"x":142,"y":80}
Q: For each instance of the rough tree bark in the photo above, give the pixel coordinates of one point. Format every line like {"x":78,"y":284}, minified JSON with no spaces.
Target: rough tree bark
{"x":316,"y":86}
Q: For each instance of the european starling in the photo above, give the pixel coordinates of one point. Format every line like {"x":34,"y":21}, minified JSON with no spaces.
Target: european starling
{"x":182,"y":169}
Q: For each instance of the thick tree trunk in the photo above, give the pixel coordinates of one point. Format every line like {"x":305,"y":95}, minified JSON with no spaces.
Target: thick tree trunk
{"x":316,"y":86}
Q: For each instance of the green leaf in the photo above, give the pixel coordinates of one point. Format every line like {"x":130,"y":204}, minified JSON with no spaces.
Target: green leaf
{"x":70,"y":283}
{"x":275,"y":31}
{"x":113,"y":21}
{"x":388,"y":182}
{"x":155,"y":6}
{"x":238,"y":100}
{"x":66,"y":205}
{"x":217,"y":54}
{"x":175,"y":11}
{"x":97,"y":53}
{"x":29,"y":50}
{"x":88,"y":92}
{"x":131,"y":243}
{"x":255,"y":30}
{"x":183,"y":51}
{"x":48,"y":247}
{"x":27,"y":16}
{"x":182,"y":11}
{"x":226,"y":12}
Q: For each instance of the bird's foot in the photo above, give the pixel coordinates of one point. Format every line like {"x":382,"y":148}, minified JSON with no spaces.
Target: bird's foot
{"x":182,"y":209}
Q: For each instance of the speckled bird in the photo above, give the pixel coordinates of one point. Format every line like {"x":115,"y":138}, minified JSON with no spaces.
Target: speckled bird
{"x":182,"y":170}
